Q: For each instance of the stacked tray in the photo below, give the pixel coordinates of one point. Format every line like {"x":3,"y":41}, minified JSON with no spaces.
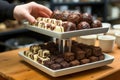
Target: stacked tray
{"x":69,"y":34}
{"x":66,"y":35}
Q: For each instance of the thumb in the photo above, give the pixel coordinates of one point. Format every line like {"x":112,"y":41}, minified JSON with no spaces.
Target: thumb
{"x":30,"y":18}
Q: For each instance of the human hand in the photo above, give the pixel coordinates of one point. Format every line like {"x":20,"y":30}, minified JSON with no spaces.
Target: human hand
{"x":30,"y":11}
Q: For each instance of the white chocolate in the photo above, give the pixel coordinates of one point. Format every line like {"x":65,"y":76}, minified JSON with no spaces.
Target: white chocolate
{"x":40,"y":53}
{"x":45,"y":53}
{"x":43,"y":59}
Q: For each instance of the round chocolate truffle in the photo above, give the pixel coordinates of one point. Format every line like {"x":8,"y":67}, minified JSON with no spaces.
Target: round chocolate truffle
{"x":69,"y":26}
{"x":56,"y":14}
{"x":96,"y":24}
{"x":65,"y":15}
{"x":87,"y":17}
{"x":75,"y":17}
{"x":83,"y":25}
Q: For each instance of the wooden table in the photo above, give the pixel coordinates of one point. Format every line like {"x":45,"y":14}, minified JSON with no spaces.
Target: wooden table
{"x":12,"y":67}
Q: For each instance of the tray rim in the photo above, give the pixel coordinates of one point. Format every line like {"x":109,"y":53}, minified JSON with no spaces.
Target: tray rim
{"x":69,"y":34}
{"x":56,"y":73}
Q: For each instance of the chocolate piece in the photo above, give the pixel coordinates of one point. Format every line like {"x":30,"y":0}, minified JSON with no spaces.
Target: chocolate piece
{"x":43,"y":53}
{"x":33,"y":56}
{"x":64,"y":64}
{"x":48,"y":26}
{"x":34,"y":48}
{"x":69,"y":56}
{"x":48,"y":63}
{"x":80,"y":54}
{"x":87,"y":17}
{"x":52,"y":57}
{"x":75,"y":48}
{"x":43,"y":46}
{"x":88,"y":52}
{"x":74,"y":63}
{"x":59,"y":60}
{"x":40,"y":53}
{"x":68,"y":26}
{"x":26,"y":53}
{"x":83,"y":25}
{"x":65,"y":15}
{"x":56,"y":14}
{"x":93,"y":58}
{"x":96,"y":24}
{"x":84,"y":61}
{"x":97,"y":51}
{"x":46,"y":53}
{"x":42,"y":60}
{"x":55,"y":66}
{"x":101,"y":57}
{"x":75,"y":17}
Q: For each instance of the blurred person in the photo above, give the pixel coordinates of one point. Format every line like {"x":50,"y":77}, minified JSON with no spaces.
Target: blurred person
{"x":28,"y":11}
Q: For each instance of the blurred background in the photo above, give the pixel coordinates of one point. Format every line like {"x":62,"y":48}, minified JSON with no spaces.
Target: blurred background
{"x":13,"y":34}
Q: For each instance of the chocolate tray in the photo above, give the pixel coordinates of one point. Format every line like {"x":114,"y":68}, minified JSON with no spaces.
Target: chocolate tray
{"x":56,"y":73}
{"x":69,"y":34}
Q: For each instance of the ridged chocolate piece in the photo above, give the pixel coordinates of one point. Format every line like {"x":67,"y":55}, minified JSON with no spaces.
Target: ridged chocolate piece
{"x":80,"y":54}
{"x":69,"y":56}
{"x":93,"y":58}
{"x":64,"y":64}
{"x":84,"y":61}
{"x":74,"y":63}
{"x":55,"y":66}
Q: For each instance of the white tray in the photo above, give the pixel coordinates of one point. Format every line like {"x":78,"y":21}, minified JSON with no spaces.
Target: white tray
{"x":69,"y":34}
{"x":55,"y":73}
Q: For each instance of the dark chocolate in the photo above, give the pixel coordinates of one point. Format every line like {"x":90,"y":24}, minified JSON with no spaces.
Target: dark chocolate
{"x":68,"y":26}
{"x":93,"y":58}
{"x":69,"y":56}
{"x":74,"y":63}
{"x":48,"y":63}
{"x":64,"y":64}
{"x":55,"y":66}
{"x":83,"y":25}
{"x":80,"y":54}
{"x":59,"y":60}
{"x":101,"y":57}
{"x":96,"y":24}
{"x":87,"y":17}
{"x":75,"y":17}
{"x":84,"y":61}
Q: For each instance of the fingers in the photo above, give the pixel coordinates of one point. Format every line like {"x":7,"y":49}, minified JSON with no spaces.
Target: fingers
{"x":30,"y":18}
{"x":42,"y":14}
{"x":45,"y":10}
{"x":41,"y":8}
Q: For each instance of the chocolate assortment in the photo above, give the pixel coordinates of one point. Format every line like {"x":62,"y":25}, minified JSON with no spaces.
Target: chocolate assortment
{"x":80,"y":54}
{"x":63,"y":21}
